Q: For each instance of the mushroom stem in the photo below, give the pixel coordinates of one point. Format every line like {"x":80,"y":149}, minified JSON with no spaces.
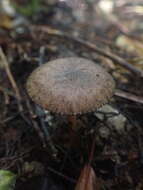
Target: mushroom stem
{"x":91,"y":154}
{"x":73,"y":122}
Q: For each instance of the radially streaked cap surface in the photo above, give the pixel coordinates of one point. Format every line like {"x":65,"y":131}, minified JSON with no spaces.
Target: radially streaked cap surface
{"x":70,"y":86}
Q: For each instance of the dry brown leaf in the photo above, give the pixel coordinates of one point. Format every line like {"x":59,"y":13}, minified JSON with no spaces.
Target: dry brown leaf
{"x":6,"y":21}
{"x":87,"y":179}
{"x":130,"y":45}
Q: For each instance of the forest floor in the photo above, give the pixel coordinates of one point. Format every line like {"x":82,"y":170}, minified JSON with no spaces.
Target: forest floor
{"x":36,"y":144}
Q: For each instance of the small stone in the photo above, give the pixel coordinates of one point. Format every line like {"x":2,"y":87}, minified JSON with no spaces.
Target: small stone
{"x":114,"y":117}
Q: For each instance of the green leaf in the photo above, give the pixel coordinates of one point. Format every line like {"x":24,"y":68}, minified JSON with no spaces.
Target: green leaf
{"x":28,"y":10}
{"x":7,"y":180}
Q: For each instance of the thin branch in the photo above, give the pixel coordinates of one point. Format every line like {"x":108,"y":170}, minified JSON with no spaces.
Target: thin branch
{"x":11,"y":78}
{"x":61,"y":175}
{"x":129,"y":96}
{"x":7,"y":91}
{"x":91,"y":46}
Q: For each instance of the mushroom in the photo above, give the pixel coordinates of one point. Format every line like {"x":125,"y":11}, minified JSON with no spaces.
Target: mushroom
{"x":70,"y":86}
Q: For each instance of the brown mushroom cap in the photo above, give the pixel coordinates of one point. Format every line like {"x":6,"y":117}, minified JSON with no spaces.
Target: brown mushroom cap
{"x":70,"y":86}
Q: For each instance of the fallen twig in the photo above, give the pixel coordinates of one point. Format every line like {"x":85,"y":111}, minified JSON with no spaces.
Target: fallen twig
{"x":11,"y":78}
{"x":129,"y":96}
{"x":91,"y":46}
{"x":8,"y":162}
{"x":61,"y":175}
{"x":7,"y":91}
{"x":34,"y":123}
